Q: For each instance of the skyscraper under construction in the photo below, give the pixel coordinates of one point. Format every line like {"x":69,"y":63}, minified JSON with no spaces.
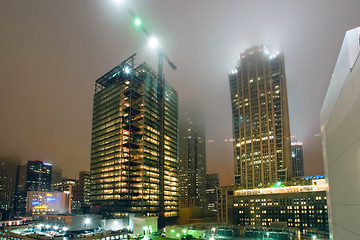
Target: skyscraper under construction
{"x":260,"y":118}
{"x":134,"y":149}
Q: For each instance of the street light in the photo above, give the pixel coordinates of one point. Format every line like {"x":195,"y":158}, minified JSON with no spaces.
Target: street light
{"x":87,"y":221}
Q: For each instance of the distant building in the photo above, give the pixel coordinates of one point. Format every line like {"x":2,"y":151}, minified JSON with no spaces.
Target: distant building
{"x":192,"y":163}
{"x":297,"y":157}
{"x":81,"y":192}
{"x":48,"y":202}
{"x":212,"y":183}
{"x":298,"y":206}
{"x":260,"y":112}
{"x":8,"y":168}
{"x":134,"y":149}
{"x":56,"y":175}
{"x":35,"y":175}
{"x":340,"y":132}
{"x":66,"y":185}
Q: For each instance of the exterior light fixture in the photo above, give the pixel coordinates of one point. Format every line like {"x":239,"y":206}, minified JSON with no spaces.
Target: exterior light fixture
{"x":87,"y":220}
{"x":153,"y":42}
{"x":137,"y":22}
{"x":127,"y":69}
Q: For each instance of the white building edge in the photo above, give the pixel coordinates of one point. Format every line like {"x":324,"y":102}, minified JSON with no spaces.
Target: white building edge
{"x":340,"y":131}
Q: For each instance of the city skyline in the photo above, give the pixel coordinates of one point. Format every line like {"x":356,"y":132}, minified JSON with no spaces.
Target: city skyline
{"x":54,"y":51}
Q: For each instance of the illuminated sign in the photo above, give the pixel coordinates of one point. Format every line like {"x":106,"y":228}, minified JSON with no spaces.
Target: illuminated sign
{"x":40,"y":207}
{"x":47,"y":164}
{"x":50,"y":199}
{"x":35,"y":203}
{"x":49,"y":194}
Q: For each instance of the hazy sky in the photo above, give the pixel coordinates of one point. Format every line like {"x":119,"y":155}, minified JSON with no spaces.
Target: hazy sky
{"x":53,"y":51}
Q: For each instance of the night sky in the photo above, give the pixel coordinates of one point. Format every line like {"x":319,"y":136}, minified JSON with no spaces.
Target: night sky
{"x":53,"y":51}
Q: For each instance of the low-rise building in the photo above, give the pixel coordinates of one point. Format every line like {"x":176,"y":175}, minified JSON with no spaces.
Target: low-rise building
{"x":48,"y":202}
{"x":299,"y":206}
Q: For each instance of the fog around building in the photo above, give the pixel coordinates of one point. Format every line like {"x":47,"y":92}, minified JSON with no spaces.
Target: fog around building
{"x":52,"y":52}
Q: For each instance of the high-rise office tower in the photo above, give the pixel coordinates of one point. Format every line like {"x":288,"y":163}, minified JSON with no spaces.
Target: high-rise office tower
{"x":297,"y":157}
{"x":35,"y":175}
{"x":134,"y":150}
{"x":212,"y":183}
{"x":192,"y":171}
{"x":260,"y":118}
{"x":8,"y":167}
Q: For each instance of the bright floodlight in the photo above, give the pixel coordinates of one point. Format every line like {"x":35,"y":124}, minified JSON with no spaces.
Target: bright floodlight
{"x":127,"y":69}
{"x":56,"y":227}
{"x":314,"y":237}
{"x":65,"y":229}
{"x":87,"y":221}
{"x":153,"y":42}
{"x":47,"y":226}
{"x":212,"y":238}
{"x":137,"y":21}
{"x":40,"y":226}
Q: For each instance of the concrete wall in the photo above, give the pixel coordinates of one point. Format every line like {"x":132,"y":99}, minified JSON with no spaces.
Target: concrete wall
{"x":340,"y":130}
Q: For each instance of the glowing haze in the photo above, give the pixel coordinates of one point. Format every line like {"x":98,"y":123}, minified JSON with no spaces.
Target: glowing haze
{"x":53,"y":51}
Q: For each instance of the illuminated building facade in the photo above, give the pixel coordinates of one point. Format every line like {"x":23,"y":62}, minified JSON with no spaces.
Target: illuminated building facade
{"x":260,"y":118}
{"x":134,"y":168}
{"x":297,"y":157}
{"x":35,"y":175}
{"x":212,"y":183}
{"x":66,"y":185}
{"x":192,"y":163}
{"x":299,"y":206}
{"x":48,"y":202}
